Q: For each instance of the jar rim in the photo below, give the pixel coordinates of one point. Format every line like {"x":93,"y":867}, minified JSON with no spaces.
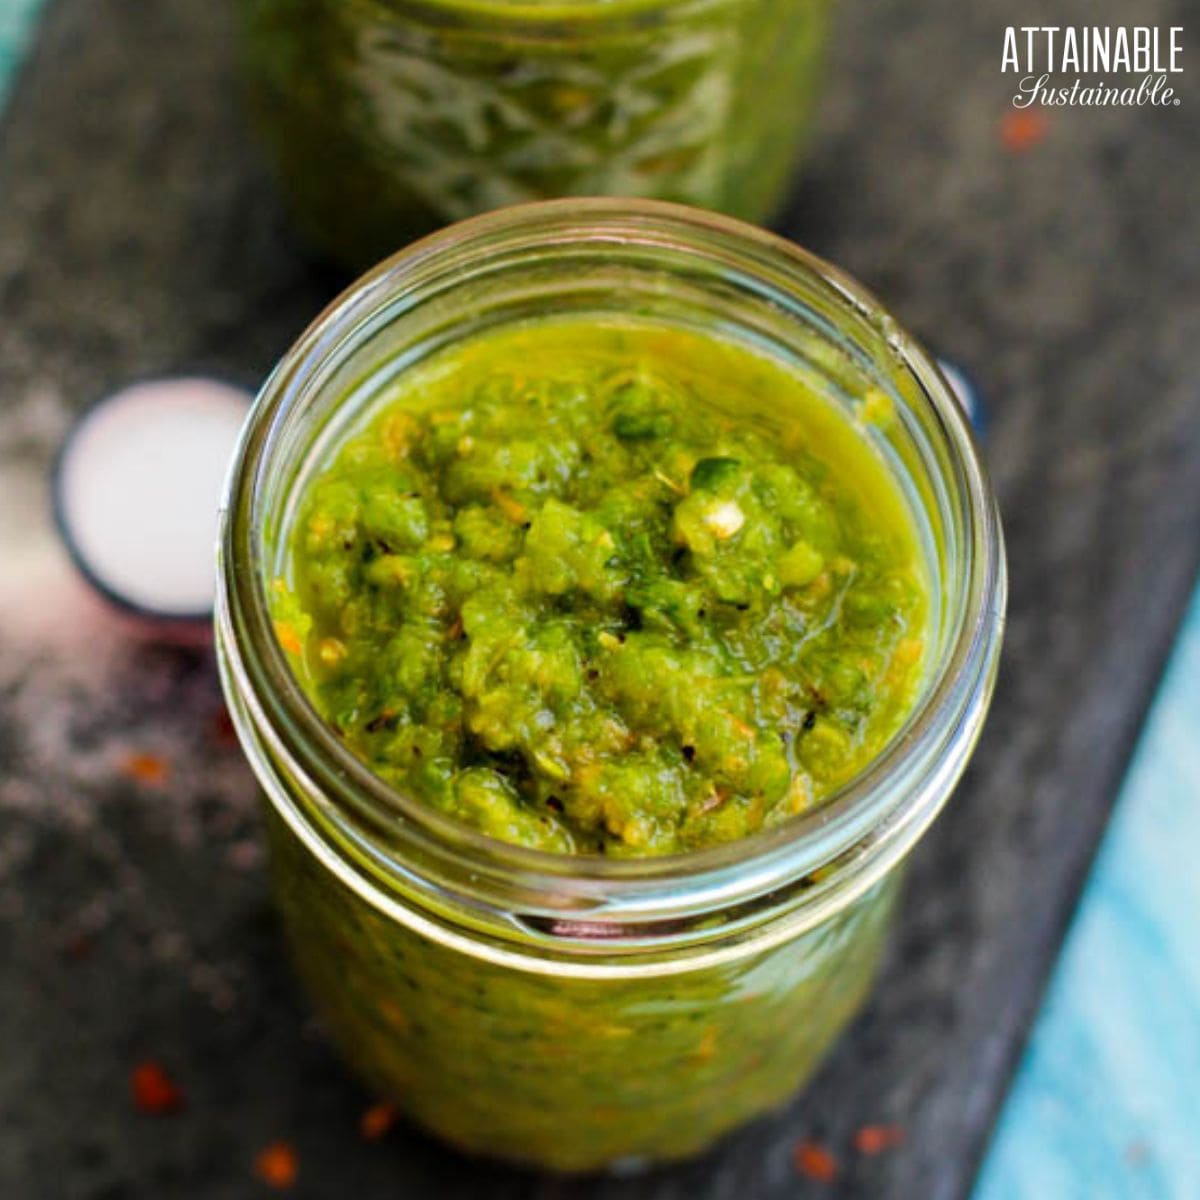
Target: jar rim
{"x":865,"y":826}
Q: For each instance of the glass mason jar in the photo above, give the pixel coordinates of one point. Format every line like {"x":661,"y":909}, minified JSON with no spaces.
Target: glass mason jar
{"x":573,"y":1011}
{"x":389,"y":118}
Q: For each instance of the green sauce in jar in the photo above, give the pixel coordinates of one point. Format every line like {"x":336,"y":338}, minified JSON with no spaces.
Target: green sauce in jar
{"x":388,"y":118}
{"x":630,"y":641}
{"x":608,"y":588}
{"x":571,"y":1072}
{"x":597,"y":587}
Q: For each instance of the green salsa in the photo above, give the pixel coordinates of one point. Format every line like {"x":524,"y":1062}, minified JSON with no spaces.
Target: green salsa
{"x":567,"y":1072}
{"x":389,"y":118}
{"x":601,"y":587}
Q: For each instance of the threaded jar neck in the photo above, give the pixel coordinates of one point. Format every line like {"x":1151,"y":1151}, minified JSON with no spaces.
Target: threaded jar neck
{"x":584,"y":914}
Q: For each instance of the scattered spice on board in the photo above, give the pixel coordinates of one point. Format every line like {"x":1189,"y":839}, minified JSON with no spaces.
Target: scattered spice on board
{"x":77,"y":946}
{"x":875,"y":1139}
{"x":277,"y":1166}
{"x":149,"y":769}
{"x":245,"y":855}
{"x":154,"y":1091}
{"x":223,"y":732}
{"x":814,"y":1161}
{"x":1023,"y":128}
{"x":377,"y":1120}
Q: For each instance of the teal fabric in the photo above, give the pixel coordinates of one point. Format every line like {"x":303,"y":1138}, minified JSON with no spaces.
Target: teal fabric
{"x":1106,"y":1105}
{"x":16,"y":27}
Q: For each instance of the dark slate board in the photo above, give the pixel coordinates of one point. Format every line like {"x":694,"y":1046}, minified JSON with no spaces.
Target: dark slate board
{"x":137,"y":234}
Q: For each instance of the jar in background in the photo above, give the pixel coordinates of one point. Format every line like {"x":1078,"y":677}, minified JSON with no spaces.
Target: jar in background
{"x":575,"y":1011}
{"x":389,"y":118}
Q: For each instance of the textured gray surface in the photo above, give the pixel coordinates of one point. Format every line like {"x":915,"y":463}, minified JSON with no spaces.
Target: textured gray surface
{"x":137,"y":235}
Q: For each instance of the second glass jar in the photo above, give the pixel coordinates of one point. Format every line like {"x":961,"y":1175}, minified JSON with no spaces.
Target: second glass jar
{"x":389,"y":118}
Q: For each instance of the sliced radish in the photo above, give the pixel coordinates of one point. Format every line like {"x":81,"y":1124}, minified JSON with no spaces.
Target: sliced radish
{"x":137,"y":487}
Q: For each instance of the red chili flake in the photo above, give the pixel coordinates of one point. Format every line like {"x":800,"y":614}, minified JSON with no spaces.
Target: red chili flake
{"x":875,"y":1139}
{"x":1023,"y":128}
{"x":277,"y":1165}
{"x":377,"y":1120}
{"x":154,"y":1091}
{"x":814,"y":1161}
{"x":76,"y":946}
{"x":223,"y":732}
{"x":149,"y":769}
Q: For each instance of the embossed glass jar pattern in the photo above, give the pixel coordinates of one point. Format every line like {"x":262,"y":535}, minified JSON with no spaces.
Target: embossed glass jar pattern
{"x":388,"y":118}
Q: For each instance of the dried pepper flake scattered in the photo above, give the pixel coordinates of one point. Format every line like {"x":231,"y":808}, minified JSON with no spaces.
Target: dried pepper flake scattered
{"x":1023,"y":128}
{"x":277,"y":1165}
{"x":149,"y":769}
{"x":377,"y":1120}
{"x":77,"y":946}
{"x":875,"y":1139}
{"x":814,"y":1161}
{"x":154,"y":1091}
{"x":223,"y":732}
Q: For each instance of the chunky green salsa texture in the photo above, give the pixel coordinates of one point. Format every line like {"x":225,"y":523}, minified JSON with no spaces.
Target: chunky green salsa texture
{"x":608,"y":588}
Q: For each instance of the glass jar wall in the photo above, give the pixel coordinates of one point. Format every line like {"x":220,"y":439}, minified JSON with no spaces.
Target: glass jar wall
{"x":570,"y":1010}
